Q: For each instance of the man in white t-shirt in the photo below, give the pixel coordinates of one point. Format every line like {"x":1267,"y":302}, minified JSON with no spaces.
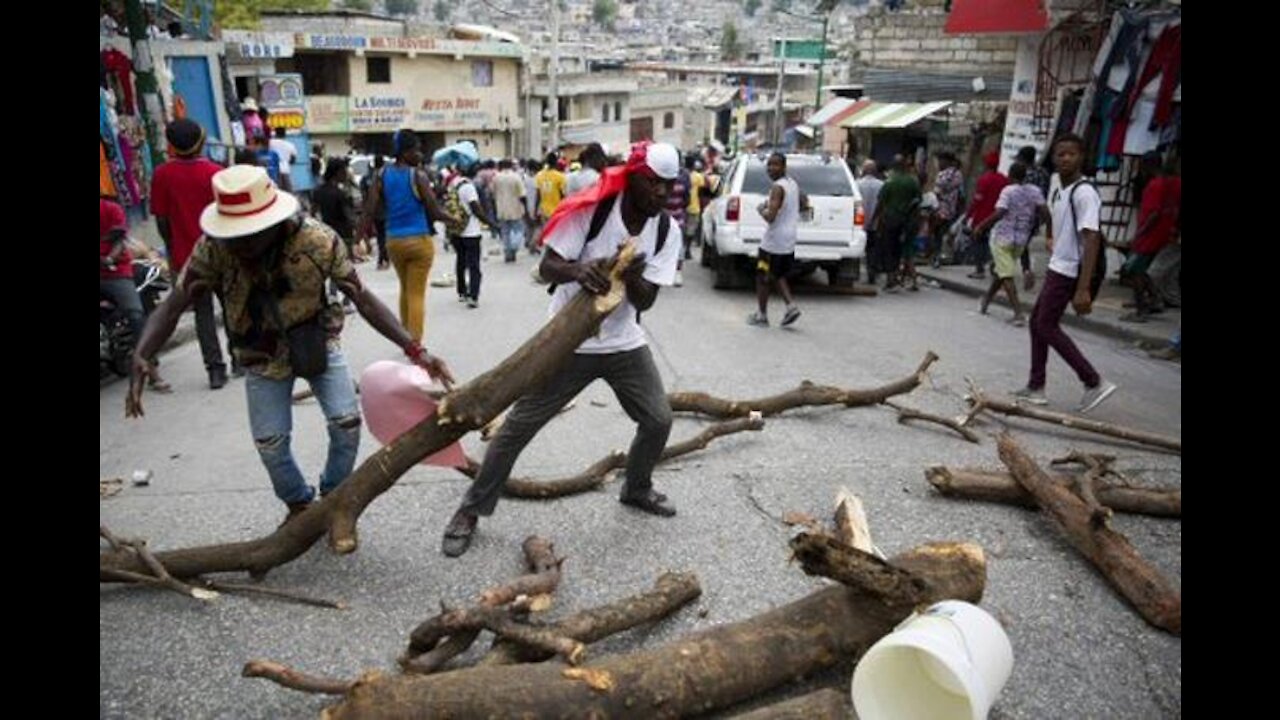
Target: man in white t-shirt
{"x":627,"y":204}
{"x":467,"y":243}
{"x":777,"y":250}
{"x":288,"y":156}
{"x":1075,"y":243}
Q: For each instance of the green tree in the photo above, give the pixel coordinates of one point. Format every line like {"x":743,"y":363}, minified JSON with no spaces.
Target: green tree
{"x":442,"y":10}
{"x":604,"y":13}
{"x":781,"y":6}
{"x":730,"y":48}
{"x":402,"y":7}
{"x":361,"y":5}
{"x":750,"y":7}
{"x":245,"y":14}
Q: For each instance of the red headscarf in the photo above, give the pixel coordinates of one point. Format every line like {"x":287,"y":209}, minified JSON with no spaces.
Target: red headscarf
{"x":612,"y":182}
{"x":991,"y":160}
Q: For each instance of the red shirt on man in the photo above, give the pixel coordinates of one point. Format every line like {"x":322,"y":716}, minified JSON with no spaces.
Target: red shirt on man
{"x":1162,"y":195}
{"x":985,"y":195}
{"x":111,"y":217}
{"x":180,"y":190}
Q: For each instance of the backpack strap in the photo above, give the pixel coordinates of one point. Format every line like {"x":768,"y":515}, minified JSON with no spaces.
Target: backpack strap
{"x":599,"y":217}
{"x":664,"y":229}
{"x":1099,"y":265}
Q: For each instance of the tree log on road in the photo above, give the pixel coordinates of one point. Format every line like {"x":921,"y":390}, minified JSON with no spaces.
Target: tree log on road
{"x":807,"y":394}
{"x":600,"y":472}
{"x":1135,"y":578}
{"x":713,"y":669}
{"x":465,"y":409}
{"x":977,"y":399}
{"x":994,"y":486}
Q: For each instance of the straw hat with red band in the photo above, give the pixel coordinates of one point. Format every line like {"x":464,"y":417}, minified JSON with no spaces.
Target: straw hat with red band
{"x":245,"y":202}
{"x":656,"y":160}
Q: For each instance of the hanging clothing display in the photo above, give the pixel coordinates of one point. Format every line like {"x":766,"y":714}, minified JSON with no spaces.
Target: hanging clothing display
{"x":120,"y":70}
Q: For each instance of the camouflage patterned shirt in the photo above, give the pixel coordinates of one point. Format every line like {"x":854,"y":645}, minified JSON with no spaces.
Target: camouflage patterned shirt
{"x":293,"y":273}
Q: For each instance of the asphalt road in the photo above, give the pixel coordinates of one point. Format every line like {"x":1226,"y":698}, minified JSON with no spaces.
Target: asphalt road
{"x":1080,"y":650}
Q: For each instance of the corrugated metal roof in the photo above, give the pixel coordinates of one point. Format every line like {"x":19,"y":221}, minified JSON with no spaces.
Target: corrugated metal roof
{"x":829,"y":111}
{"x":892,"y":115}
{"x":888,"y":85}
{"x":853,"y":107}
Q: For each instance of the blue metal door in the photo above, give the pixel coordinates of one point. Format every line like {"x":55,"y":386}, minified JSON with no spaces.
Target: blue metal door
{"x":192,"y":83}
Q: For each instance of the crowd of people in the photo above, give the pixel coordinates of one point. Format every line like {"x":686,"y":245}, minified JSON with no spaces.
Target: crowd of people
{"x":239,"y":235}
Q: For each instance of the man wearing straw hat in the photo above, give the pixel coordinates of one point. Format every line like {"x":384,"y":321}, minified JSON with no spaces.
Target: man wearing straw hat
{"x":271,"y":264}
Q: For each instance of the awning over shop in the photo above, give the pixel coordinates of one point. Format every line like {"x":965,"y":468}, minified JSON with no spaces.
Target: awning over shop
{"x":892,"y":115}
{"x":997,"y":16}
{"x":830,"y":111}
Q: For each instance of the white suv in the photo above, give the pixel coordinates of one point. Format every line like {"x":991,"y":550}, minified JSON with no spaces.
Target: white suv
{"x":831,"y":238}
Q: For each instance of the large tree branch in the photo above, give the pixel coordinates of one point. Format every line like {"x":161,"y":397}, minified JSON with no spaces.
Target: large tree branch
{"x":1001,"y":487}
{"x":978,"y":399}
{"x":1135,"y":578}
{"x":807,"y":394}
{"x":467,"y":408}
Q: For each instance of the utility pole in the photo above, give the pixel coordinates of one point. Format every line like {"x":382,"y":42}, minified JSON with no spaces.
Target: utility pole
{"x":822,"y":59}
{"x":782,"y":76}
{"x":555,"y":71}
{"x":149,"y":106}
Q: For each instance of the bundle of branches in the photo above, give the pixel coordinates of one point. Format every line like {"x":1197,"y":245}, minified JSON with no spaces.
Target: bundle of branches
{"x":709,"y":670}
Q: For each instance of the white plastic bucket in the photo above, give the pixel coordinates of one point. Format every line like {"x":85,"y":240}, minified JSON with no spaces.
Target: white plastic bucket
{"x":947,"y":663}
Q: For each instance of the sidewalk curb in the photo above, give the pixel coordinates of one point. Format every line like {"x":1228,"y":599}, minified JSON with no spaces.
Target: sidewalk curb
{"x":1102,"y":327}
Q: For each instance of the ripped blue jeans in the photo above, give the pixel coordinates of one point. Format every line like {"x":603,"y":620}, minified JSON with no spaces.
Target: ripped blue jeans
{"x":271,"y":421}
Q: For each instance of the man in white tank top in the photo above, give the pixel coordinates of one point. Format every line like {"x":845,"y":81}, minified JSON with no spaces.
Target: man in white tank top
{"x":778,"y":248}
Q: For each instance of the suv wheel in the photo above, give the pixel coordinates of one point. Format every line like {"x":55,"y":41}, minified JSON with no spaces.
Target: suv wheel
{"x":709,"y":255}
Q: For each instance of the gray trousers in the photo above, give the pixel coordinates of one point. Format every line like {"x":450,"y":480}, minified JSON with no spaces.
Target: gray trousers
{"x":638,"y":387}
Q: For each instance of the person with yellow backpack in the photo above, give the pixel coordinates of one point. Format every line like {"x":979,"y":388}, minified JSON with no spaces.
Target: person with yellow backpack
{"x":462,"y":200}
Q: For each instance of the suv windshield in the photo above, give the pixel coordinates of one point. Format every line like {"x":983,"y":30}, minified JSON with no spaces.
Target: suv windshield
{"x":813,"y":179}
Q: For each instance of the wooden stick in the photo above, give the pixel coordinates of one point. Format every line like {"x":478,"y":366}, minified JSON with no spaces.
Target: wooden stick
{"x":671,"y":592}
{"x":1077,"y":422}
{"x":828,"y":557}
{"x":602,"y":471}
{"x":1135,"y":578}
{"x":906,"y":413}
{"x":273,"y":592}
{"x":851,"y":522}
{"x":807,"y":394}
{"x":295,"y":680}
